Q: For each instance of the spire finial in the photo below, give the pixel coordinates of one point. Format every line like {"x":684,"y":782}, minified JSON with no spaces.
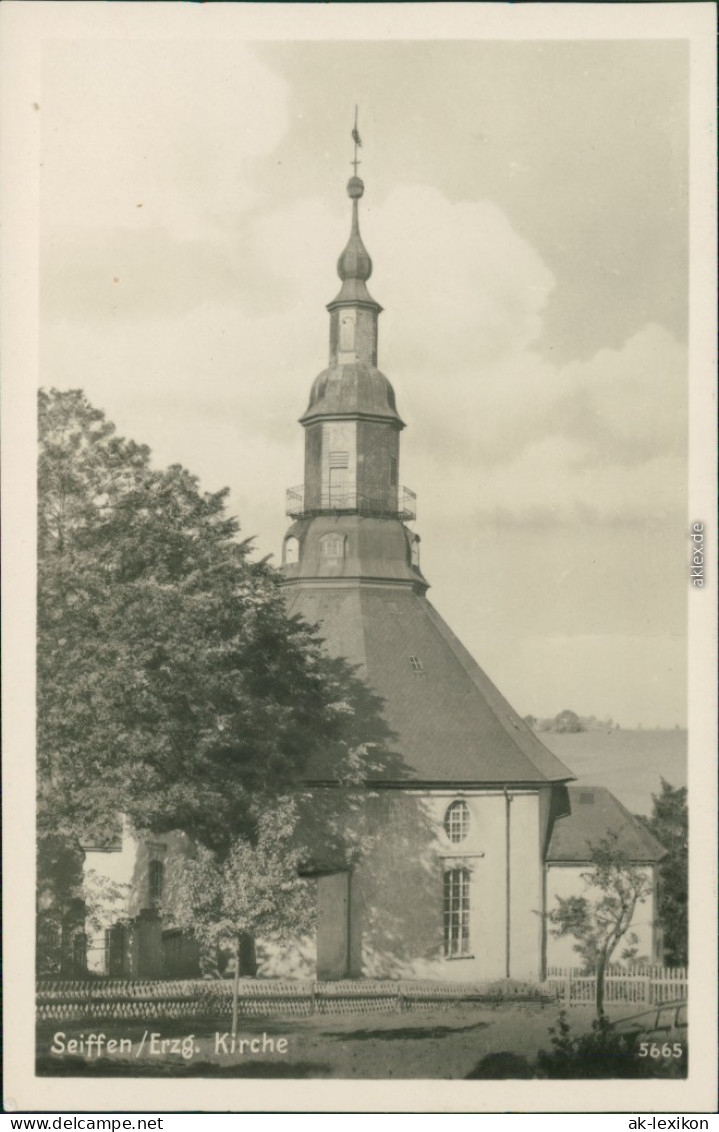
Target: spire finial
{"x":354,"y":266}
{"x":355,"y":185}
{"x":358,"y":144}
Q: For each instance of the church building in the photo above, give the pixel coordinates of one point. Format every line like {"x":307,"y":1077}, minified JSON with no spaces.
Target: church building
{"x":469,"y":839}
{"x":475,"y":828}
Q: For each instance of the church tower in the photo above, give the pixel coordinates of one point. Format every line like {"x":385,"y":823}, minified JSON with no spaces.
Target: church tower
{"x":351,"y":511}
{"x":351,"y":563}
{"x":464,"y":813}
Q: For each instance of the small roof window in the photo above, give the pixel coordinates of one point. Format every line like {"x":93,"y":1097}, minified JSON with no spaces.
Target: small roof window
{"x":416,"y":664}
{"x":332,"y":545}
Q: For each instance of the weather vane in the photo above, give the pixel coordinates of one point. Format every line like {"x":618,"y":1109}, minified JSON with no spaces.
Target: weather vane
{"x":358,"y":143}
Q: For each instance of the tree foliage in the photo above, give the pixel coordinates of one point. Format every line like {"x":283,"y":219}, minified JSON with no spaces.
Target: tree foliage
{"x":171,"y":684}
{"x":568,"y":721}
{"x":669,"y":823}
{"x":600,"y":920}
{"x":254,"y":890}
{"x":602,"y":1051}
{"x":59,"y":901}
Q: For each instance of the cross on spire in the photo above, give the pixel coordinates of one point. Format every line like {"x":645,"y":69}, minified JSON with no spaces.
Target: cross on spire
{"x":358,"y":143}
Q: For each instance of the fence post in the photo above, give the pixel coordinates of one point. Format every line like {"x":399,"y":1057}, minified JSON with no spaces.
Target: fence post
{"x":647,"y":980}
{"x":313,"y":1004}
{"x":568,"y":989}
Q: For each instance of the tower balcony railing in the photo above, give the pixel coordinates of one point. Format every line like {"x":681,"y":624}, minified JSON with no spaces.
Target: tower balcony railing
{"x":380,"y":506}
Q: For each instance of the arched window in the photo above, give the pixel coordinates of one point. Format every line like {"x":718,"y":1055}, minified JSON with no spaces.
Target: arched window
{"x":332,"y":545}
{"x":456,"y":913}
{"x":456,"y":821}
{"x":414,"y":552}
{"x":292,"y":551}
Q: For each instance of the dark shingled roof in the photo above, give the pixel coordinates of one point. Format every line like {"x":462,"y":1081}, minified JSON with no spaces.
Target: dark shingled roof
{"x":451,"y":723}
{"x":593,"y":813}
{"x":353,"y":389}
{"x":373,"y":547}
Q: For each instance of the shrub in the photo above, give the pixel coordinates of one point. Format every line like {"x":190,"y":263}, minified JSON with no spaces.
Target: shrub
{"x":601,"y":1052}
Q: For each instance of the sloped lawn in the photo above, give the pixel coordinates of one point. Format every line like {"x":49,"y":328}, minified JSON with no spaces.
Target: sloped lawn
{"x":473,"y":1040}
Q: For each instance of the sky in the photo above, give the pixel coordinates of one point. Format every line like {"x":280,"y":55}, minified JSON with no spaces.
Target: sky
{"x":526,"y":213}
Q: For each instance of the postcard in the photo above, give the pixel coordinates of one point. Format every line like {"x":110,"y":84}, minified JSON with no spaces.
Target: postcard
{"x":360,"y":557}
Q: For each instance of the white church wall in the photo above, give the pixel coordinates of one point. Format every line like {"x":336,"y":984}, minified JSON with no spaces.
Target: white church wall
{"x":525,"y":885}
{"x":116,"y":865}
{"x":108,"y":876}
{"x":117,"y":884}
{"x":566,"y":880}
{"x":397,"y":892}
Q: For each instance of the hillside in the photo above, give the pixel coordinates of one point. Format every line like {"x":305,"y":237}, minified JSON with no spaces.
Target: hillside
{"x":629,"y":763}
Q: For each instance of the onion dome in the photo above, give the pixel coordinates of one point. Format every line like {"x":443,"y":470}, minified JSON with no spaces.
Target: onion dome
{"x":354,"y":263}
{"x":357,"y":390}
{"x":354,"y":266}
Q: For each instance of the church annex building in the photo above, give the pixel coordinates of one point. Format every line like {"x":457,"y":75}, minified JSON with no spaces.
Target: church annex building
{"x":483,"y":829}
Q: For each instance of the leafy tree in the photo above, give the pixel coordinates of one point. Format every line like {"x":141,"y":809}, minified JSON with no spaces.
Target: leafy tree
{"x":568,"y":721}
{"x":254,"y":890}
{"x":600,"y":920}
{"x":59,"y":906}
{"x":171,"y":684}
{"x":669,"y":823}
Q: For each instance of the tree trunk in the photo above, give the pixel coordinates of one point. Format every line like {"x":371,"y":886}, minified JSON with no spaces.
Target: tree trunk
{"x":248,"y":955}
{"x":236,"y":988}
{"x":601,"y":967}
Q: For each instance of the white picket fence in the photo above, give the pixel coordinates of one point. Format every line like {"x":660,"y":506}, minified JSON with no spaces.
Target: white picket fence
{"x":643,"y":985}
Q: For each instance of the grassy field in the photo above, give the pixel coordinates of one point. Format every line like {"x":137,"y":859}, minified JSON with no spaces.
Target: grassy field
{"x":500,"y":1041}
{"x":629,"y":763}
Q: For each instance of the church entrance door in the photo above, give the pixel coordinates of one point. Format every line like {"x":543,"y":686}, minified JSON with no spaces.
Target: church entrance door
{"x":333,"y":923}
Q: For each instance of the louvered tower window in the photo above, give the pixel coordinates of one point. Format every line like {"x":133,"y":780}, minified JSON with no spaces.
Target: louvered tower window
{"x":339,"y":466}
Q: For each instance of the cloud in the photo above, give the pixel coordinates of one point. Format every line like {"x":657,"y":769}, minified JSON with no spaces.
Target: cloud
{"x":462,"y":271}
{"x":206,"y":305}
{"x":172,"y":128}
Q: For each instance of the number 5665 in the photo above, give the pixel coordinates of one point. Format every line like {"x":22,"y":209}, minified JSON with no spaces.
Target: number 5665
{"x":653,"y":1049}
